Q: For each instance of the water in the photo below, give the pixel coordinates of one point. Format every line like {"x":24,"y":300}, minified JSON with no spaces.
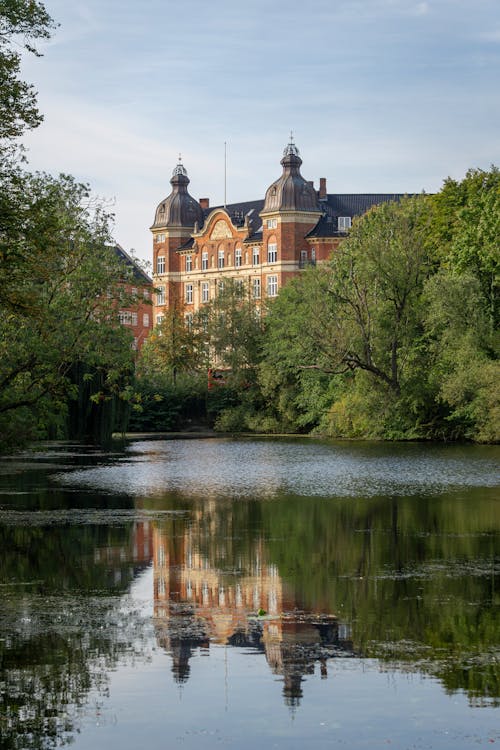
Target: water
{"x":286,"y":593}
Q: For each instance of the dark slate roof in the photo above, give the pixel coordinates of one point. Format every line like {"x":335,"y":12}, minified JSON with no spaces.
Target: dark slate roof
{"x":348,"y":204}
{"x":139,"y":275}
{"x":239,"y":211}
{"x":186,"y":245}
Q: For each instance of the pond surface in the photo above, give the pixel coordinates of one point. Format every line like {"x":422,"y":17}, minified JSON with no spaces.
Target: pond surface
{"x":272,"y":593}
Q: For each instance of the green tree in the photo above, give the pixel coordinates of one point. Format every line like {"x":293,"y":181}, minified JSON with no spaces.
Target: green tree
{"x":357,"y":323}
{"x":465,"y":231}
{"x":60,"y":285}
{"x":172,"y":349}
{"x":22,"y":22}
{"x":231,"y":327}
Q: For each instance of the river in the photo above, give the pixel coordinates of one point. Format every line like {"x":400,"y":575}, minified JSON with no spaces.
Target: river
{"x":284,"y":593}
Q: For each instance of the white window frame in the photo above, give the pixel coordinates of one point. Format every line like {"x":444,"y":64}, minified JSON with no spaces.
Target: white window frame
{"x":272,"y":223}
{"x":205,"y":292}
{"x":188,"y":294}
{"x":238,"y":257}
{"x":145,"y":320}
{"x":344,"y":223}
{"x":160,"y":295}
{"x":204,"y":261}
{"x":134,"y":319}
{"x":189,"y":263}
{"x":125,"y":317}
{"x":220,"y":258}
{"x":255,"y":256}
{"x":256,"y":288}
{"x":159,"y":319}
{"x":272,"y":252}
{"x":160,"y":264}
{"x":272,"y":286}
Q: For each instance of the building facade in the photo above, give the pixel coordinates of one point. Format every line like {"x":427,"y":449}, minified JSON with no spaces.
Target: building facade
{"x":138,"y":315}
{"x":259,"y":244}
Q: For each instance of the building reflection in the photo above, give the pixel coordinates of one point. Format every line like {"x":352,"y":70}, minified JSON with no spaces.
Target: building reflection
{"x":127,"y":556}
{"x":216,"y":594}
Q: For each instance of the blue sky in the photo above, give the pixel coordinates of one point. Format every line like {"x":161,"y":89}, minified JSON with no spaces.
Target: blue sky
{"x":382,"y":96}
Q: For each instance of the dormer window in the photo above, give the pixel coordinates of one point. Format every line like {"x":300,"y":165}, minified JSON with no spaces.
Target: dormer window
{"x":344,"y":223}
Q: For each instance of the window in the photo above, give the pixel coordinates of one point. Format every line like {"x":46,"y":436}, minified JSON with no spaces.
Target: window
{"x":145,"y":320}
{"x":133,"y":318}
{"x":344,"y":223}
{"x":272,"y":252}
{"x":134,"y":344}
{"x":204,"y":261}
{"x":272,"y":286}
{"x":272,"y":223}
{"x":221,"y":287}
{"x":160,"y":238}
{"x":205,"y":292}
{"x":125,"y":317}
{"x":313,"y":255}
{"x":146,"y":293}
{"x":189,"y":294}
{"x":256,"y":288}
{"x":159,"y":319}
{"x":160,"y":295}
{"x":237,"y":257}
{"x":189,"y":320}
{"x":220,"y":258}
{"x":134,"y":291}
{"x":160,"y":264}
{"x":189,"y":263}
{"x":255,"y":256}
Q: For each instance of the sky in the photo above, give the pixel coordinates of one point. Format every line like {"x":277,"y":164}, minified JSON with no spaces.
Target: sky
{"x":381,"y":96}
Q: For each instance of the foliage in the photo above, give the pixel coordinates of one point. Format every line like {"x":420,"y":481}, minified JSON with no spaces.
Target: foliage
{"x":160,"y":405}
{"x":465,"y":231}
{"x":171,"y":349}
{"x":230,"y":328}
{"x":396,"y":337}
{"x":60,"y":283}
{"x":22,"y":22}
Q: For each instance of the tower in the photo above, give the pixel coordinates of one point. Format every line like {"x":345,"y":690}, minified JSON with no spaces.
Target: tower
{"x":175,"y":220}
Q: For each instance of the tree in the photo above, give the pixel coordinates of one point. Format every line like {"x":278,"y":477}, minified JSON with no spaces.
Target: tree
{"x":465,"y":231}
{"x":171,"y":349}
{"x":231,"y":326}
{"x":23,"y":22}
{"x":61,"y":283}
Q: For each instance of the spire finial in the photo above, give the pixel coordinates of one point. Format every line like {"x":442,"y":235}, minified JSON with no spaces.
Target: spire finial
{"x":291,"y":149}
{"x":180,"y":158}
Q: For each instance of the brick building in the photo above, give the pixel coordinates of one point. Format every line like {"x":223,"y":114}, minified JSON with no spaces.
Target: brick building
{"x":261,"y":243}
{"x":138,"y":317}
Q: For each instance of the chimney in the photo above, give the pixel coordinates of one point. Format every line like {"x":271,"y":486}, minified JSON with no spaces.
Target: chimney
{"x":204,"y":203}
{"x":322,"y":189}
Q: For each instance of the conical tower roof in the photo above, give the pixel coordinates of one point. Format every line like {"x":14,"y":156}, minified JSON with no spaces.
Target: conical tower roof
{"x":179,"y":209}
{"x":291,"y":192}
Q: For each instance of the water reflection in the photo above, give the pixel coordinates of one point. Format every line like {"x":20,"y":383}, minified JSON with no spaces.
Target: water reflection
{"x":250,"y":606}
{"x":302,"y":582}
